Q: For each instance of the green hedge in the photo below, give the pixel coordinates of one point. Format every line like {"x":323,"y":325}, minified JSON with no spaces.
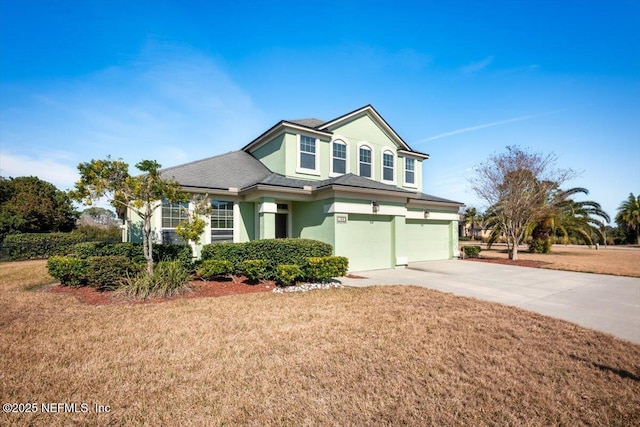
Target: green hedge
{"x":107,"y":272}
{"x":254,"y":269}
{"x":323,"y":269}
{"x":274,"y":251}
{"x":134,"y":251}
{"x":212,"y":269}
{"x":38,"y":245}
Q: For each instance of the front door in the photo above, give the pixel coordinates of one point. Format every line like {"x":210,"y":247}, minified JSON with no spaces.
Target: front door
{"x":281,"y":226}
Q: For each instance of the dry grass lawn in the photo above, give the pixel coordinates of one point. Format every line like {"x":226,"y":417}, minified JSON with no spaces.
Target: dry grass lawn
{"x":374,"y":356}
{"x":618,"y":261}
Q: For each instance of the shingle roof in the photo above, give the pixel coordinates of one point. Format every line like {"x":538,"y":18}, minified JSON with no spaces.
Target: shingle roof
{"x":235,"y":169}
{"x":310,"y":123}
{"x":351,"y":180}
{"x":430,"y":198}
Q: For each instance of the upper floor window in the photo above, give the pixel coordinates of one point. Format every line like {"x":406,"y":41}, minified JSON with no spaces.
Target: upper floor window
{"x":409,"y":171}
{"x":174,"y":213}
{"x":365,"y":160}
{"x":387,"y":166}
{"x":307,"y":152}
{"x":339,"y":157}
{"x":221,"y":221}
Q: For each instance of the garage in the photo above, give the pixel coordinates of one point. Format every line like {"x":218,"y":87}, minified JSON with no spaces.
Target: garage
{"x":428,"y":240}
{"x":366,"y":241}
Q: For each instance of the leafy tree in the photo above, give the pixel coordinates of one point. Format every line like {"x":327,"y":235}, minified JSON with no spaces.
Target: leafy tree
{"x":515,"y":185}
{"x":98,"y":217}
{"x":31,"y":205}
{"x":192,"y":229}
{"x":561,"y":215}
{"x":628,"y":215}
{"x":141,"y":194}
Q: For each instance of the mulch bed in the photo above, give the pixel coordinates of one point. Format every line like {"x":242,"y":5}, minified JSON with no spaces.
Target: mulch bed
{"x":519,"y":262}
{"x":200,"y":289}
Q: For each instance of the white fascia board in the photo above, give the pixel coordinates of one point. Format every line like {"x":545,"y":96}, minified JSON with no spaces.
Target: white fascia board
{"x":414,"y":154}
{"x":426,"y":204}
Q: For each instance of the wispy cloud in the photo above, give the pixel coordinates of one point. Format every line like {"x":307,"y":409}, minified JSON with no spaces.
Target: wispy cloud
{"x":486,"y":125}
{"x":46,"y":168}
{"x":474,"y":67}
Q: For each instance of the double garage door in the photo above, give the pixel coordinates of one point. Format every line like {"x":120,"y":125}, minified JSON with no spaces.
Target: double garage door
{"x":428,"y":240}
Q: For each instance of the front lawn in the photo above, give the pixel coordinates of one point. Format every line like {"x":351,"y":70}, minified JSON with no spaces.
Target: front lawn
{"x":373,"y":356}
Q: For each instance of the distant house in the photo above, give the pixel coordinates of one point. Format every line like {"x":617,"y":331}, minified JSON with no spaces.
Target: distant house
{"x":351,"y":182}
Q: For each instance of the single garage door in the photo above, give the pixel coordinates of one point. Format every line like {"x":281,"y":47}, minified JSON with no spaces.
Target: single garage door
{"x":428,"y":240}
{"x":366,"y":241}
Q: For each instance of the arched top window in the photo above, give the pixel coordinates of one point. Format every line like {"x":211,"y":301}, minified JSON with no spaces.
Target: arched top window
{"x":338,"y":157}
{"x":365,"y":161}
{"x":388,"y":162}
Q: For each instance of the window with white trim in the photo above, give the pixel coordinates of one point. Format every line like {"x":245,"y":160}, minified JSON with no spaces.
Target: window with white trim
{"x":339,"y":157}
{"x":172,"y":215}
{"x":365,"y":160}
{"x":387,"y":166}
{"x":221,"y":221}
{"x":409,"y":171}
{"x":307,"y":152}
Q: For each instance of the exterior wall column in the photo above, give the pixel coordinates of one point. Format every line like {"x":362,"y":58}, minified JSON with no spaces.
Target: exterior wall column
{"x":267,"y":209}
{"x":399,"y":241}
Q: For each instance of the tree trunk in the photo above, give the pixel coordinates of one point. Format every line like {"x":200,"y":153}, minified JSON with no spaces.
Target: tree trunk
{"x":147,"y":244}
{"x":514,"y":252}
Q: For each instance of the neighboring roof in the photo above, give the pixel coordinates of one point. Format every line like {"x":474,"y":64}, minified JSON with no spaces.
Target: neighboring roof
{"x":235,"y":169}
{"x":311,"y":123}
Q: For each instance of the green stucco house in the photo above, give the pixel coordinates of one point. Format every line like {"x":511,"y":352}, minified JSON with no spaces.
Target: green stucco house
{"x":351,"y":182}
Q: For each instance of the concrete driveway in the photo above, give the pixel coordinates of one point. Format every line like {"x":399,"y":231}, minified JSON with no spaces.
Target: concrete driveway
{"x":606,"y":303}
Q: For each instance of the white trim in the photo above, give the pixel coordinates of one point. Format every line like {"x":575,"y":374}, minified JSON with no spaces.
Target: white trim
{"x":338,"y":139}
{"x":299,"y":168}
{"x":236,"y":222}
{"x":388,"y":150}
{"x":433,"y":216}
{"x":277,"y":130}
{"x":267,"y":207}
{"x":365,"y":208}
{"x":373,"y":159}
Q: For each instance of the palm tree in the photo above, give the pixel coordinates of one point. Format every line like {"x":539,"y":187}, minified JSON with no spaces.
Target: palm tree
{"x":562,"y":215}
{"x":471,"y":217}
{"x":629,"y":214}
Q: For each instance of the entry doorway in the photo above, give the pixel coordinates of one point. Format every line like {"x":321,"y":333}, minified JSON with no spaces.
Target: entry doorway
{"x":281,"y":225}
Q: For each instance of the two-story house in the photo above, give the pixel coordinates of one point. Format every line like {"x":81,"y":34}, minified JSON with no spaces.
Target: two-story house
{"x":351,"y":182}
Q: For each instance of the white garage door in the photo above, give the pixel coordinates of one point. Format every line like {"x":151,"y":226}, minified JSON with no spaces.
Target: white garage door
{"x":428,"y":240}
{"x":366,"y":241}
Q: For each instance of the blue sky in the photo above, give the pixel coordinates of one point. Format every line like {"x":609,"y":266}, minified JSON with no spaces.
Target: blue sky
{"x":179,"y":81}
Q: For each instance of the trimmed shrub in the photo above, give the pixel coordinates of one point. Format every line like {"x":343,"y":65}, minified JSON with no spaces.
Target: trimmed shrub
{"x":472,"y":251}
{"x":69,"y":270}
{"x":133,"y":251}
{"x":169,"y":278}
{"x":107,"y":272}
{"x":213,"y":268}
{"x":235,"y":253}
{"x":254,"y":269}
{"x":287,"y":274}
{"x":324,"y":269}
{"x":38,"y":245}
{"x":182,"y":253}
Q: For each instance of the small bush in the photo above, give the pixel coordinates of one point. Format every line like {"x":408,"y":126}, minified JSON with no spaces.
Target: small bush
{"x":472,"y":251}
{"x":540,"y":246}
{"x":254,"y":269}
{"x":324,"y":269}
{"x":212,"y":268}
{"x":107,"y":272}
{"x":169,"y":278}
{"x":69,"y":270}
{"x":38,"y":245}
{"x":287,"y":274}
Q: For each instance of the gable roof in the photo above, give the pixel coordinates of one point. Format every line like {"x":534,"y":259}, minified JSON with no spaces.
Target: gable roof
{"x":311,"y":123}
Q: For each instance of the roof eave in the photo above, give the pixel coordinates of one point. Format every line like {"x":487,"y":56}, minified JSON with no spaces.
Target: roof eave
{"x":281,"y":127}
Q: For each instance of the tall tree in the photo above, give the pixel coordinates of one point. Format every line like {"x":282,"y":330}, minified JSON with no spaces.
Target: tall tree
{"x":141,"y":194}
{"x":31,"y":205}
{"x":471,"y":218}
{"x":628,"y":215}
{"x":515,"y":184}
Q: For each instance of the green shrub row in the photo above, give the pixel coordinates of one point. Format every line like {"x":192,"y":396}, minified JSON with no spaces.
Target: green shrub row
{"x":273,"y":251}
{"x":134,"y":251}
{"x":102,"y":272}
{"x":38,"y":245}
